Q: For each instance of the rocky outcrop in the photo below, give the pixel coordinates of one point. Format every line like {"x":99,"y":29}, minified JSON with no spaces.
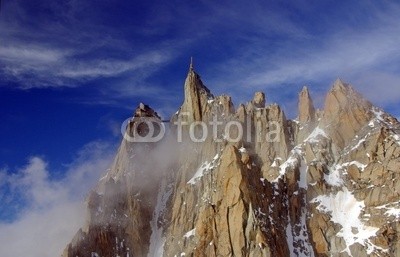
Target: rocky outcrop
{"x":113,"y":226}
{"x":345,"y":113}
{"x":259,"y":100}
{"x":196,"y":97}
{"x":307,"y":117}
{"x":306,"y":107}
{"x":326,"y":184}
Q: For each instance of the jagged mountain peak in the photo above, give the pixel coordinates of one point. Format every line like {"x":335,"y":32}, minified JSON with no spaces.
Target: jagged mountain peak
{"x":144,"y":110}
{"x":259,"y":99}
{"x":304,"y":90}
{"x":341,"y":87}
{"x":343,"y":95}
{"x":194,"y":82}
{"x":345,"y":112}
{"x":196,"y":95}
{"x":306,"y":106}
{"x":344,"y":98}
{"x":339,"y":84}
{"x":327,"y":185}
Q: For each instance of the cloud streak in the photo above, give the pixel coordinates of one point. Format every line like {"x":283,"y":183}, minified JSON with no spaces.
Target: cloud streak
{"x":42,"y":53}
{"x":36,"y":66}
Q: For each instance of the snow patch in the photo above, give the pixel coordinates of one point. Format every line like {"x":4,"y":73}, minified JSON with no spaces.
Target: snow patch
{"x":204,"y":167}
{"x":317,"y":132}
{"x":200,"y":172}
{"x":289,"y":237}
{"x":359,"y":165}
{"x":371,"y":124}
{"x":378,"y":114}
{"x":275,"y":162}
{"x":156,"y":247}
{"x":190,"y":233}
{"x":334,"y":178}
{"x":390,"y":210}
{"x":345,"y":210}
{"x":297,"y":237}
{"x":303,"y":175}
{"x":355,"y":147}
{"x":302,"y":237}
{"x":291,"y":162}
{"x":396,"y":138}
{"x":393,"y":212}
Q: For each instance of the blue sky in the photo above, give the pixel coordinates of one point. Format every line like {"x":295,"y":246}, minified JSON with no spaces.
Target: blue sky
{"x":72,"y":71}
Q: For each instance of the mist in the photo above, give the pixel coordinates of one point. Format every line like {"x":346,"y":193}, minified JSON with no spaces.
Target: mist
{"x":52,"y":210}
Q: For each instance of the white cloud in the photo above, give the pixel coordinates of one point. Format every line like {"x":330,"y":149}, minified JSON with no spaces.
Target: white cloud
{"x":29,"y":54}
{"x":37,"y":65}
{"x":266,"y":45}
{"x":41,"y":233}
{"x":54,"y":209}
{"x":109,"y":68}
{"x":39,"y":53}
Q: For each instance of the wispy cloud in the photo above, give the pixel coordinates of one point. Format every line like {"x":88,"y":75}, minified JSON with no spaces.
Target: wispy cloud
{"x":37,"y":66}
{"x":30,"y":55}
{"x":365,"y":55}
{"x":109,"y":67}
{"x":245,"y":45}
{"x":53,"y":209}
{"x":71,"y":51}
{"x":344,"y":55}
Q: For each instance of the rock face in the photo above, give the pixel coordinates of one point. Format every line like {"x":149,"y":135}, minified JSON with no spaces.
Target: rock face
{"x":345,"y":112}
{"x":259,"y":100}
{"x":196,"y":96}
{"x":258,"y":184}
{"x":306,"y":107}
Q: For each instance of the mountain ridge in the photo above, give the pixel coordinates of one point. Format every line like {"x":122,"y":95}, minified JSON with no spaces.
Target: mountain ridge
{"x":279,"y":188}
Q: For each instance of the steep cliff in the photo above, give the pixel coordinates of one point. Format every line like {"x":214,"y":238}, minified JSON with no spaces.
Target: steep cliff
{"x":251,"y":182}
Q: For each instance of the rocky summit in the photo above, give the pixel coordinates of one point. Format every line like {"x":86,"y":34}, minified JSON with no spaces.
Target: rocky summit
{"x":250,"y":182}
